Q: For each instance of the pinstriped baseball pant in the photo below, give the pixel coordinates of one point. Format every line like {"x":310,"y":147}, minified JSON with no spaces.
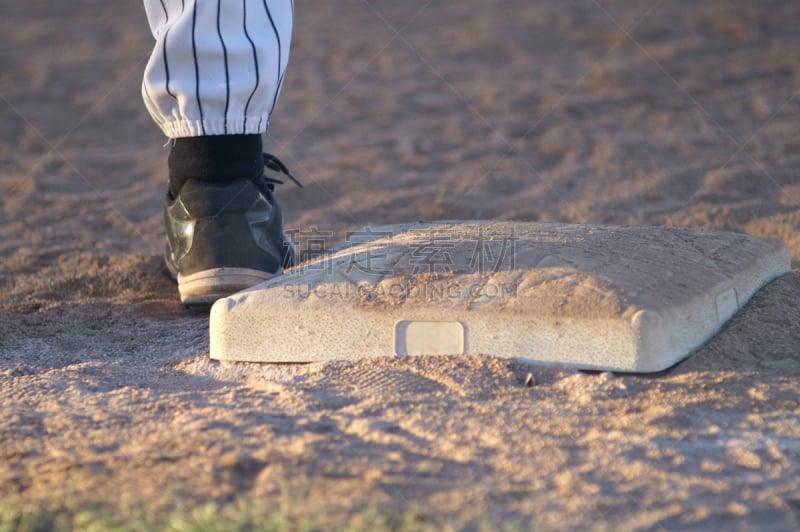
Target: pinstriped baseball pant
{"x":217,"y":66}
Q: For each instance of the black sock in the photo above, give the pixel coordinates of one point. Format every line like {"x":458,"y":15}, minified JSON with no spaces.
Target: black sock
{"x":214,"y":158}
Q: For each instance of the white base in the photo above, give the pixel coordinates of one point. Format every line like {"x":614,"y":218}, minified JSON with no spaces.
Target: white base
{"x":633,"y":299}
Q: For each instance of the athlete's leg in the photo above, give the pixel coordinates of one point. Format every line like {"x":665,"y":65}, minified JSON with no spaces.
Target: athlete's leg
{"x":211,"y":84}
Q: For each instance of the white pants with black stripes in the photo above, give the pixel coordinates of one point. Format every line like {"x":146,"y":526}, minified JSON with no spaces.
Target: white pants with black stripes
{"x":217,"y":66}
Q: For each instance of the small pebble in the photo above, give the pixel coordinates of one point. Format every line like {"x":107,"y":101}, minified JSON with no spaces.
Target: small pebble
{"x":529,"y":380}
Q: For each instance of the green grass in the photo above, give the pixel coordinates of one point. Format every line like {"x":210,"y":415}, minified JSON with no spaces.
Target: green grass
{"x":210,"y":517}
{"x":292,"y":511}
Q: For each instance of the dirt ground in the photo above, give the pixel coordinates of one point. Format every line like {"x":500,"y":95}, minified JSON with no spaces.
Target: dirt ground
{"x":678,"y":113}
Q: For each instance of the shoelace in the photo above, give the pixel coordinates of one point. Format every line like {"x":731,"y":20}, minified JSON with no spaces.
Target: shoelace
{"x":273,"y":163}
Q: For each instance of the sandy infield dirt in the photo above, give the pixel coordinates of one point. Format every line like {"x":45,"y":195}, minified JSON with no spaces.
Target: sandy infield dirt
{"x":678,"y":113}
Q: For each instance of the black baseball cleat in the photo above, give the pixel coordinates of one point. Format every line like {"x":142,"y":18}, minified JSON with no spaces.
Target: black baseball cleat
{"x":223,"y":237}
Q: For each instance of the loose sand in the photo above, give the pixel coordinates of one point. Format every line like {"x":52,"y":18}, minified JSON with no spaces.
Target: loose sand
{"x":672,"y":113}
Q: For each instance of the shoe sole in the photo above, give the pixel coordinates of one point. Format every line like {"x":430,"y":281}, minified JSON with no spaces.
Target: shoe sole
{"x":200,"y":290}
